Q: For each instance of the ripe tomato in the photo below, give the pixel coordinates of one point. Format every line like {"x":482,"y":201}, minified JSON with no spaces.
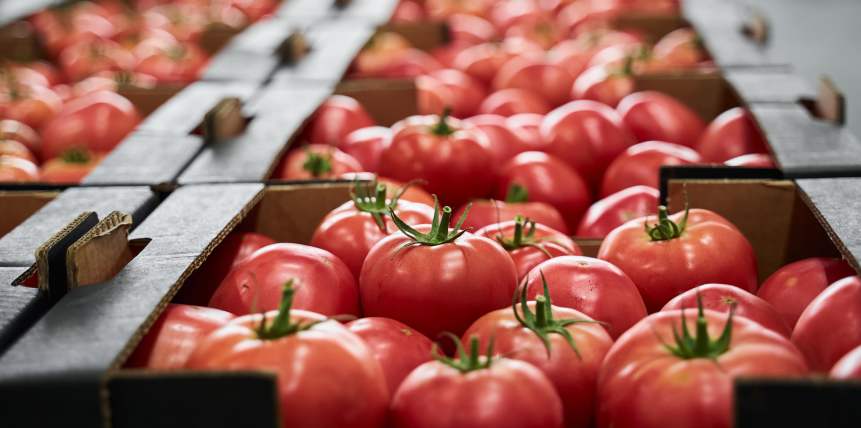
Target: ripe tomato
{"x":791,"y":288}
{"x":446,"y":54}
{"x":604,"y":84}
{"x":656,"y":376}
{"x":410,"y":63}
{"x":694,"y":247}
{"x":529,"y":126}
{"x":539,"y":29}
{"x":476,"y":391}
{"x":656,"y":116}
{"x":730,"y":135}
{"x":98,"y":121}
{"x":336,"y":118}
{"x":547,"y":179}
{"x":438,"y":9}
{"x":71,"y":166}
{"x":510,"y":102}
{"x":484,"y":61}
{"x":535,"y":72}
{"x":755,"y":160}
{"x":412,"y":193}
{"x":617,"y":209}
{"x":680,"y":48}
{"x":16,"y":149}
{"x":580,"y":50}
{"x":470,"y":29}
{"x":596,"y":288}
{"x":314,"y":162}
{"x":86,"y":58}
{"x":504,"y":142}
{"x":366,"y":146}
{"x":408,"y":12}
{"x":724,"y":298}
{"x":486,"y":212}
{"x":398,"y":348}
{"x":640,"y":165}
{"x":31,"y":105}
{"x":172,"y":338}
{"x":566,"y":345}
{"x":327,"y":376}
{"x":13,"y":168}
{"x":58,"y":32}
{"x":16,"y":131}
{"x":848,"y":367}
{"x":169,"y":61}
{"x":48,"y":70}
{"x":325,"y":283}
{"x":529,"y":243}
{"x":401,"y":277}
{"x":432,"y":95}
{"x":381,"y":50}
{"x":351,"y":230}
{"x":830,"y":326}
{"x":443,"y":151}
{"x":467,"y":93}
{"x":587,"y":135}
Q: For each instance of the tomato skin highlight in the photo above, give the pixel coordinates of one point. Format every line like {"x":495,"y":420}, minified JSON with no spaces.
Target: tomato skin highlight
{"x":483,"y":213}
{"x":656,"y":116}
{"x":617,"y":209}
{"x":730,"y":135}
{"x":13,"y":169}
{"x":640,"y":165}
{"x":366,"y":146}
{"x":504,"y":142}
{"x":336,"y":118}
{"x":513,"y":101}
{"x":527,"y":258}
{"x":830,"y":327}
{"x":849,"y":367}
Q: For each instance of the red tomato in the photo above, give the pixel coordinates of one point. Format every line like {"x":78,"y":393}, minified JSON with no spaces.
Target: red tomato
{"x":541,"y":30}
{"x":17,"y":131}
{"x":702,"y":248}
{"x":755,"y":160}
{"x":504,"y":142}
{"x":581,"y":49}
{"x":325,"y":283}
{"x":366,"y":146}
{"x":680,"y":48}
{"x":14,"y":148}
{"x":549,"y":180}
{"x":535,"y":72}
{"x":470,"y":29}
{"x":186,"y":22}
{"x":791,"y":288}
{"x":529,"y":243}
{"x":432,"y":95}
{"x":13,"y":168}
{"x":31,"y":105}
{"x":50,"y":71}
{"x":98,"y":120}
{"x":446,"y":54}
{"x":617,"y":209}
{"x":444,"y":8}
{"x":830,"y":326}
{"x":656,"y":116}
{"x":327,"y":376}
{"x":587,"y":135}
{"x":603,"y":84}
{"x":596,"y":288}
{"x":528,"y":125}
{"x":314,"y":162}
{"x":381,"y":50}
{"x":398,"y":348}
{"x":412,"y":193}
{"x":570,"y":361}
{"x":618,"y":56}
{"x":71,"y":166}
{"x":172,"y":338}
{"x":233,"y":250}
{"x":408,"y":12}
{"x":640,"y":165}
{"x":654,"y":371}
{"x":724,"y":298}
{"x":506,"y":14}
{"x":402,"y":277}
{"x":484,"y":61}
{"x":351,"y":230}
{"x":90,"y":57}
{"x":730,"y":135}
{"x":26,"y":76}
{"x":443,"y":151}
{"x":510,"y":102}
{"x":169,"y":61}
{"x":467,"y":92}
{"x":58,"y":34}
{"x":848,"y":367}
{"x":410,"y":63}
{"x":476,"y":391}
{"x":486,"y":212}
{"x":337,"y":117}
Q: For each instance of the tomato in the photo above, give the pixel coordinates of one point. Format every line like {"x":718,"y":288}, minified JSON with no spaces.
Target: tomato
{"x":529,"y":126}
{"x":755,"y":160}
{"x":98,"y":120}
{"x":504,"y":142}
{"x":14,"y":148}
{"x":587,"y":135}
{"x":506,"y":14}
{"x":467,"y":92}
{"x":617,"y":209}
{"x":432,"y":95}
{"x":484,"y":61}
{"x":680,"y":48}
{"x":443,"y":151}
{"x":327,"y":376}
{"x":656,"y":116}
{"x":436,"y":282}
{"x":444,"y":8}
{"x":186,"y":22}
{"x":470,"y":29}
{"x":233,"y":250}
{"x":351,"y":230}
{"x":71,"y":166}
{"x":381,"y":50}
{"x":13,"y":168}
{"x":17,"y":131}
{"x":580,"y":50}
{"x":535,"y":72}
{"x":413,"y":193}
{"x":410,"y":63}
{"x":50,"y":71}
{"x":446,"y":54}
{"x":486,"y":212}
{"x":730,"y":135}
{"x":256,"y":9}
{"x":604,"y":84}
{"x":398,"y":348}
{"x":366,"y":146}
{"x":571,"y":360}
{"x":595,"y":287}
{"x":529,"y":243}
{"x":90,"y":57}
{"x":618,"y":56}
{"x":169,"y":61}
{"x":724,"y":298}
{"x":549,"y":180}
{"x":172,"y":338}
{"x":314,"y":162}
{"x":848,"y":367}
{"x":62,"y":32}
{"x":31,"y":105}
{"x":791,"y":288}
{"x":830,"y":326}
{"x":336,"y":118}
{"x":408,"y":12}
{"x":640,"y":165}
{"x":325,"y":283}
{"x":658,"y":376}
{"x":680,"y":252}
{"x":539,"y":29}
{"x":27,"y":76}
{"x":510,"y":102}
{"x":476,"y":391}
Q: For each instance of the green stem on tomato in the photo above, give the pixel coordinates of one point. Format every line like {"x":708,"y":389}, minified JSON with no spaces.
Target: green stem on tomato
{"x":666,"y":229}
{"x":439,"y":233}
{"x":465,"y":362}
{"x":701,"y":346}
{"x":516,"y":194}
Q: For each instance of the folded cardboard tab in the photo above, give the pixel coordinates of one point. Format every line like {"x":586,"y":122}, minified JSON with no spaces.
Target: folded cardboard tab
{"x":830,"y":102}
{"x":225,"y":120}
{"x":343,"y":3}
{"x":51,"y":256}
{"x":101,"y":253}
{"x":294,"y":47}
{"x":757,"y":28}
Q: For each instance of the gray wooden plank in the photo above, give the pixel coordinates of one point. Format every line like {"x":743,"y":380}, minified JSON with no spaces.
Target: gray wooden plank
{"x":145,"y":159}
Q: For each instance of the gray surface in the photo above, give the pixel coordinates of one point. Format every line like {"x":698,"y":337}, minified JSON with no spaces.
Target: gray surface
{"x":183,"y":113}
{"x":147,"y":160}
{"x":264,"y":37}
{"x":375,"y":12}
{"x":11,"y":10}
{"x":770,"y":84}
{"x":838,"y":201}
{"x":235,"y":65}
{"x":333,"y":47}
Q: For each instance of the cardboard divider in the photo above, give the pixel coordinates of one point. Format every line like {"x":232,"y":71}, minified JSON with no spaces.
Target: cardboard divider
{"x":101,"y":253}
{"x":294,"y":47}
{"x":51,"y":256}
{"x":224,"y":120}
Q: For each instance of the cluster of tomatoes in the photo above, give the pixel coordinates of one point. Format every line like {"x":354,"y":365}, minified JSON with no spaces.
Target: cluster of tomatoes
{"x":64,"y":115}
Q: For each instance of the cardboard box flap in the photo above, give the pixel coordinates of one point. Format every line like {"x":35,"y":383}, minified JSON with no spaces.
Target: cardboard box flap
{"x":830,"y":102}
{"x":375,"y":12}
{"x":836,"y":203}
{"x":757,"y":27}
{"x":146,"y":159}
{"x":712,"y":172}
{"x":20,"y":307}
{"x":51,"y":256}
{"x":422,"y":35}
{"x":101,"y":253}
{"x":293,"y":48}
{"x":333,"y":47}
{"x":388,"y":100}
{"x":183,"y":113}
{"x":231,"y":65}
{"x":769,"y":85}
{"x":222,"y":121}
{"x":18,"y":206}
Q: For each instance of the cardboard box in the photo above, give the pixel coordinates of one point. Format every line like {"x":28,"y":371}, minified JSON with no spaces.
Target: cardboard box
{"x":373,"y":12}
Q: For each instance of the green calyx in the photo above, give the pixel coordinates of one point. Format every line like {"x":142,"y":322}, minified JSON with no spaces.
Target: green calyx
{"x":516,"y":194}
{"x":317,"y":164}
{"x":466,"y":362}
{"x":666,"y":229}
{"x":79,"y":155}
{"x":524,"y":236}
{"x":370,"y":197}
{"x":439,"y":233}
{"x":542,"y":322}
{"x":282,"y":325}
{"x":701,"y":346}
{"x":442,"y":128}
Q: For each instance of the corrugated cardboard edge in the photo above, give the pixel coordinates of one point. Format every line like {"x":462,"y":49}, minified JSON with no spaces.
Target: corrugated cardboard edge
{"x":115,"y":225}
{"x":830,"y":102}
{"x":117,"y":363}
{"x":847,"y":255}
{"x":294,"y":47}
{"x":24,"y":276}
{"x":42,"y":251}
